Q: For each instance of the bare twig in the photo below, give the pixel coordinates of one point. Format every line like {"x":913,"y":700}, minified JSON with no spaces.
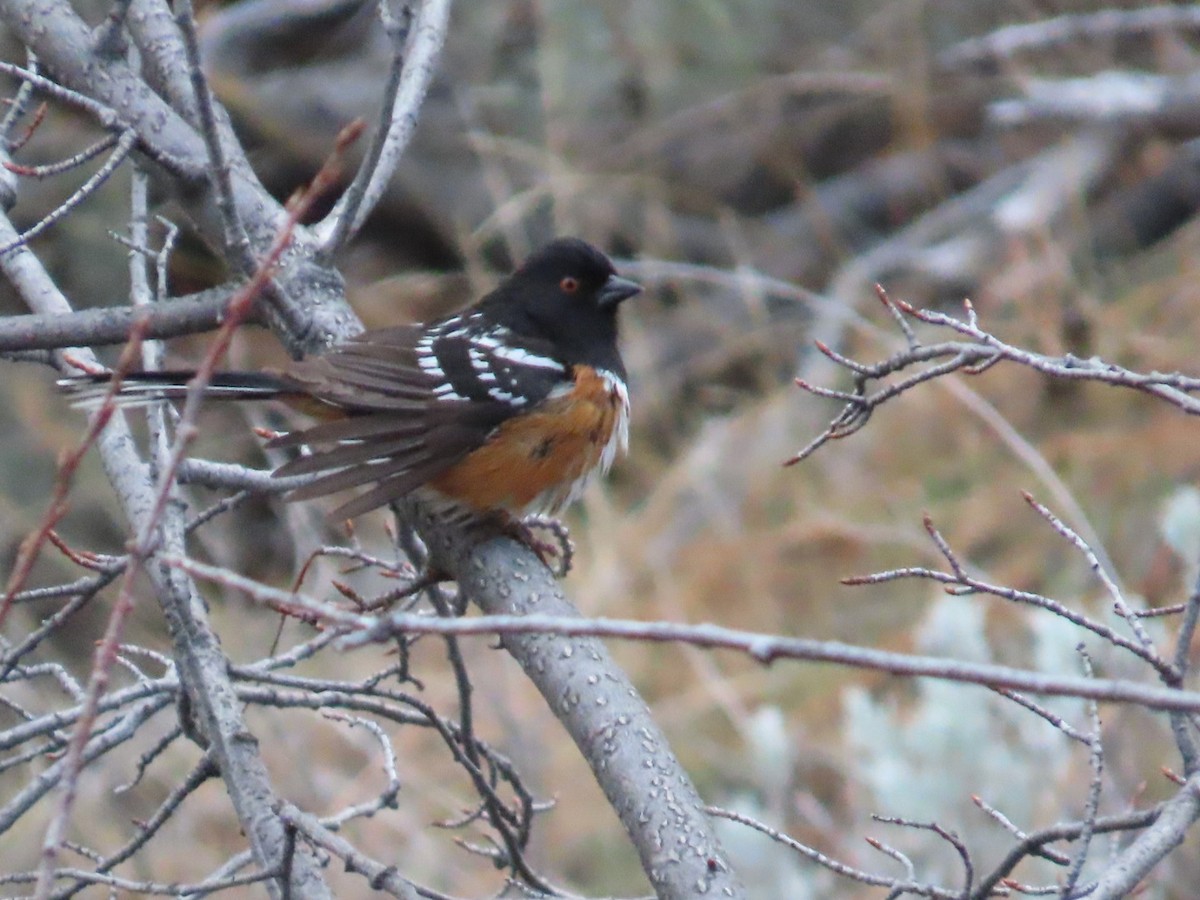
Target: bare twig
{"x":960,"y":582}
{"x":144,"y":888}
{"x":18,"y":107}
{"x":408,"y":81}
{"x":121,"y":151}
{"x":1053,"y":33}
{"x":911,"y":885}
{"x":949,"y":837}
{"x":71,"y":162}
{"x":1118,"y":598}
{"x":379,"y":877}
{"x":765,"y":648}
{"x":237,"y":244}
{"x":104,"y":115}
{"x":1092,"y":807}
{"x":971,"y":357}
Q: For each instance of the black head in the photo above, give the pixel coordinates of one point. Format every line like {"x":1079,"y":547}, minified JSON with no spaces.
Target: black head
{"x":567,"y":292}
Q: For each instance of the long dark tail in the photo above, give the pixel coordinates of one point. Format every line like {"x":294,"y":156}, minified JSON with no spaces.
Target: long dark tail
{"x":143,"y":388}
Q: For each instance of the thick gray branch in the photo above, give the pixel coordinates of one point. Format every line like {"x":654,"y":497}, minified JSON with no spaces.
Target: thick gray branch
{"x":600,"y":708}
{"x":111,"y":324}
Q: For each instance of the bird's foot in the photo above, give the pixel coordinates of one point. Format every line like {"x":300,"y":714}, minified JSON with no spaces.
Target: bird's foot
{"x":557,"y":553}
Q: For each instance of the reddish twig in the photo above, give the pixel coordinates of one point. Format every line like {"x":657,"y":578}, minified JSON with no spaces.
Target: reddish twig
{"x":65,"y":165}
{"x":39,"y":116}
{"x":83,"y":558}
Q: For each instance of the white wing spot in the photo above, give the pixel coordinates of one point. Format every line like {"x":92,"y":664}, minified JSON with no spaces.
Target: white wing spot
{"x":446,"y":390}
{"x":498,"y":393}
{"x":428,"y":362}
{"x":521,"y":357}
{"x":487,"y":341}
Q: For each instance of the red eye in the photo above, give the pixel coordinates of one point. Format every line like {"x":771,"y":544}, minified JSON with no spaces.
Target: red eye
{"x":569,"y":285}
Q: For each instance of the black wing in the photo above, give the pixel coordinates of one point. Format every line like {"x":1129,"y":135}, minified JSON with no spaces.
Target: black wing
{"x":413,"y":401}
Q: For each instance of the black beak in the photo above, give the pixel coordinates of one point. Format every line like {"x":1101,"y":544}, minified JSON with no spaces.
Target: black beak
{"x":615,"y":290}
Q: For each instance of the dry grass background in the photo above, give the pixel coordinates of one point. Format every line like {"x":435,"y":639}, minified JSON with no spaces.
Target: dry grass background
{"x":820,"y":144}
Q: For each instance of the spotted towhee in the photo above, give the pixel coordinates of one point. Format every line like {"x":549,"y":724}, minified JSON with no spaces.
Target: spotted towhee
{"x":506,"y":408}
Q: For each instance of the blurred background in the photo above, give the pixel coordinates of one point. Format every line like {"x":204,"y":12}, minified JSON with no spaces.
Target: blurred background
{"x":759,"y":165}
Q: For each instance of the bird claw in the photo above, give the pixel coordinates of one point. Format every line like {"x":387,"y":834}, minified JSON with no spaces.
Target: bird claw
{"x":557,"y":553}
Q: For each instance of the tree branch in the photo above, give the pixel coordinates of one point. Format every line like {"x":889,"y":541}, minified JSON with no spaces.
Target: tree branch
{"x":601,"y":710}
{"x":1134,"y":863}
{"x":109,"y":325}
{"x":412,"y":71}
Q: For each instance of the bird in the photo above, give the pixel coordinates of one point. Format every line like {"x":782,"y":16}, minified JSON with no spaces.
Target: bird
{"x":503,"y":410}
